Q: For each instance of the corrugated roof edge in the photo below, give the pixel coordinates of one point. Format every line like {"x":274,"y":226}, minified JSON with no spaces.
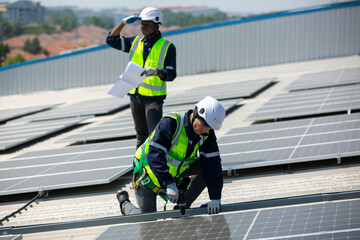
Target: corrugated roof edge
{"x":182,"y":31}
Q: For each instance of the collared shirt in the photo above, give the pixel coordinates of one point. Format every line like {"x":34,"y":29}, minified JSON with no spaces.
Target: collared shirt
{"x":124,"y":44}
{"x":211,"y":166}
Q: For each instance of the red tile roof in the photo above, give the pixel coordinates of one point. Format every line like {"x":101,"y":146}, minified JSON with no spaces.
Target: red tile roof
{"x":28,"y":56}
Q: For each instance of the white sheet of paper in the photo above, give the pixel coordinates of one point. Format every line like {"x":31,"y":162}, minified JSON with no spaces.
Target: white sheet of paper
{"x":128,"y":80}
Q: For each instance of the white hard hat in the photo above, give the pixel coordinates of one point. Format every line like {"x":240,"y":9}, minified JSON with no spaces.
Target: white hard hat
{"x":212,"y":111}
{"x":151,"y":14}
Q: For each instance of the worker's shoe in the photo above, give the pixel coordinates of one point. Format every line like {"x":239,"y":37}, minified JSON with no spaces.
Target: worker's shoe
{"x":122,"y":197}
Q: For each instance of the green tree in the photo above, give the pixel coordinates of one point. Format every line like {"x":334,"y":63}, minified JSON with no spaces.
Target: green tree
{"x":65,"y":18}
{"x":46,"y":52}
{"x":17,"y":29}
{"x":35,"y":46}
{"x":32,"y":46}
{"x":27,"y":45}
{"x":17,"y":59}
{"x":102,"y":21}
{"x":5,"y":30}
{"x":4,"y":50}
{"x":41,"y":28}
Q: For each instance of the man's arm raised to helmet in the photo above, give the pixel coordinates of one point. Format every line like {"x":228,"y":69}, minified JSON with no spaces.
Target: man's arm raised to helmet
{"x":117,"y":29}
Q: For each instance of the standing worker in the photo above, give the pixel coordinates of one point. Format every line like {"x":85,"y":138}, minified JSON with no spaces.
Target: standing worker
{"x":158,"y":57}
{"x":181,"y":145}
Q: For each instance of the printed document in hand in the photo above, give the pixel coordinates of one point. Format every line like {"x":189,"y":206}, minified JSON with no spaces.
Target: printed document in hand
{"x":128,"y":80}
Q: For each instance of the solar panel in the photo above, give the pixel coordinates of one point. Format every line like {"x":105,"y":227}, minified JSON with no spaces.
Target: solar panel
{"x":85,"y":108}
{"x":291,"y":142}
{"x":220,"y":91}
{"x":307,"y":103}
{"x":74,"y":166}
{"x":12,"y":135}
{"x":326,"y":79}
{"x":9,"y":114}
{"x":123,"y":126}
{"x":326,"y":220}
{"x":11,"y":237}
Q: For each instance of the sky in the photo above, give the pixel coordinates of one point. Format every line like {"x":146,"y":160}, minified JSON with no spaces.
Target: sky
{"x":250,"y":6}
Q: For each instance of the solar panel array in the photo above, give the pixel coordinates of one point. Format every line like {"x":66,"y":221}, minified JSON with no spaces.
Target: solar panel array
{"x":311,"y":102}
{"x":326,"y":79}
{"x":84,"y":108}
{"x":12,"y":135}
{"x":291,"y":142}
{"x":9,"y":114}
{"x":123,"y":126}
{"x":327,"y":220}
{"x":73,"y":166}
{"x":220,"y":91}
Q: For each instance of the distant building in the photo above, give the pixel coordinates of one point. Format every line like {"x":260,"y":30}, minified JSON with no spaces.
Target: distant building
{"x":24,"y":12}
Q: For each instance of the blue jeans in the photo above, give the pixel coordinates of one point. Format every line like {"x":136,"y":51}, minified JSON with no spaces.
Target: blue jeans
{"x":146,"y":198}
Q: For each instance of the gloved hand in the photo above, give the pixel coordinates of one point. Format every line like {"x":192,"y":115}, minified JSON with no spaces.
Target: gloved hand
{"x":131,"y":19}
{"x":149,"y":71}
{"x":172,"y":192}
{"x":213,"y":207}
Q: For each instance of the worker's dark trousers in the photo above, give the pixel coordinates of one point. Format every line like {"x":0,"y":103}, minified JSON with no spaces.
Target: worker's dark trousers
{"x":146,"y":198}
{"x":146,"y":115}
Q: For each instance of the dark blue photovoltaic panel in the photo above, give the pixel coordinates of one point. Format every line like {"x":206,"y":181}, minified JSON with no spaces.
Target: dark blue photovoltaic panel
{"x":289,"y":142}
{"x":123,"y":126}
{"x":326,"y":220}
{"x":310,"y":102}
{"x":223,"y":91}
{"x":86,"y":108}
{"x":73,"y":166}
{"x":11,"y":237}
{"x":332,"y":78}
{"x":9,"y":114}
{"x":15,"y":134}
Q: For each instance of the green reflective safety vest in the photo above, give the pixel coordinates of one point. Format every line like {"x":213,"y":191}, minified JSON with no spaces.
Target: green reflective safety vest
{"x":153,"y":85}
{"x":175,"y":156}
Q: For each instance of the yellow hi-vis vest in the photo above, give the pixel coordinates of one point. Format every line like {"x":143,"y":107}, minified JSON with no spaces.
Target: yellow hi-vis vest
{"x":175,"y":156}
{"x":153,"y":85}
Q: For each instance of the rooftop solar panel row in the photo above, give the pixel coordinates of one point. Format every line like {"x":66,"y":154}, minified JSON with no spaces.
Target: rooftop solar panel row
{"x":9,"y":114}
{"x":12,"y":135}
{"x":68,"y":167}
{"x":329,"y":220}
{"x":220,"y":91}
{"x":311,"y":102}
{"x":291,"y":142}
{"x":84,"y":108}
{"x":123,"y":126}
{"x":326,"y":79}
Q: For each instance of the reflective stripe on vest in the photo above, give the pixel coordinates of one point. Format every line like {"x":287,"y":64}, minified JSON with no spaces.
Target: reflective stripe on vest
{"x":175,"y":156}
{"x":153,"y":85}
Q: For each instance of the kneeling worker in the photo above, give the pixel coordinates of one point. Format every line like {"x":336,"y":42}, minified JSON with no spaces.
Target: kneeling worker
{"x":181,"y":145}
